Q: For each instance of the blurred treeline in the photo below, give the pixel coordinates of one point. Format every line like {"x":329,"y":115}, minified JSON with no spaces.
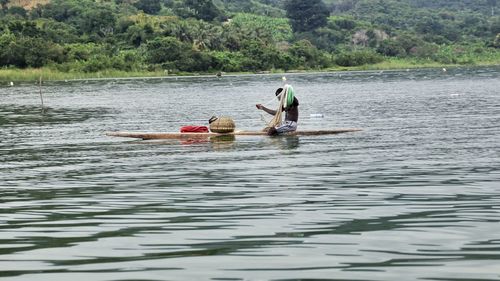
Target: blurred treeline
{"x":243,"y":35}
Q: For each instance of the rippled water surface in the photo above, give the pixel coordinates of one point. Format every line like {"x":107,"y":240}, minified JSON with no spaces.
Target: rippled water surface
{"x":415,"y":195}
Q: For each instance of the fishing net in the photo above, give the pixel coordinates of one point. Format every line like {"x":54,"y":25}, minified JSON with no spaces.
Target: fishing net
{"x":286,"y":98}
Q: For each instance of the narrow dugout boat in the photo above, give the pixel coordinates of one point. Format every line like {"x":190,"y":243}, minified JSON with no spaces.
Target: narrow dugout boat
{"x":177,"y":135}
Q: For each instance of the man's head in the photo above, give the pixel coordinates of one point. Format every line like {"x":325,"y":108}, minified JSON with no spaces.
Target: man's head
{"x":278,"y":92}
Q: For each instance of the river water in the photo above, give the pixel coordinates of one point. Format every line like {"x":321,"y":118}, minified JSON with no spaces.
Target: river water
{"x":415,"y":195}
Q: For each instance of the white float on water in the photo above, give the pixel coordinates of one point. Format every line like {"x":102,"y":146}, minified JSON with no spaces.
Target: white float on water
{"x":316,"y":115}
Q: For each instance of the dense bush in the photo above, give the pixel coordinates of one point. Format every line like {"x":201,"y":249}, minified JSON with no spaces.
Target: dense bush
{"x":28,"y":51}
{"x":391,"y":48}
{"x":306,"y":55}
{"x":148,"y":6}
{"x":163,"y":50}
{"x":276,"y":29}
{"x":357,"y":58}
{"x":306,"y":15}
{"x":228,"y":61}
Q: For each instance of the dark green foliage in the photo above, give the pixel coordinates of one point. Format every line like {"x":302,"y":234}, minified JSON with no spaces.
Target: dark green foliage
{"x":408,"y":42}
{"x":228,"y":61}
{"x":18,"y":11}
{"x":270,"y":8}
{"x":244,"y":35}
{"x":496,"y":42}
{"x":346,"y":23}
{"x":429,"y":25}
{"x":306,"y":15}
{"x":164,"y":50}
{"x":100,"y":22}
{"x":425,"y":51}
{"x":323,"y":38}
{"x":4,"y":3}
{"x":149,"y":6}
{"x":135,"y":35}
{"x":391,"y":48}
{"x":59,"y":10}
{"x":495,"y":26}
{"x":258,"y":56}
{"x":204,"y":9}
{"x":28,"y":52}
{"x":171,"y":54}
{"x":307,"y":55}
{"x":357,"y":58}
{"x":25,"y":28}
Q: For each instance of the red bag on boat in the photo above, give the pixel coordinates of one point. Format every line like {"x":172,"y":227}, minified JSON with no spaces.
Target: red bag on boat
{"x":194,"y":129}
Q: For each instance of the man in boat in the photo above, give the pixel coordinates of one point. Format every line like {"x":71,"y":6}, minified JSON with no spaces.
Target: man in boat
{"x":291,"y":109}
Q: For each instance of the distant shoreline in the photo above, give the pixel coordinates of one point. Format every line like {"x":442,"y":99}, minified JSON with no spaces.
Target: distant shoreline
{"x":33,"y":75}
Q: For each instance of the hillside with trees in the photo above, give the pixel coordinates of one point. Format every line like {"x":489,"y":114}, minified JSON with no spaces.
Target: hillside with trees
{"x":205,"y":36}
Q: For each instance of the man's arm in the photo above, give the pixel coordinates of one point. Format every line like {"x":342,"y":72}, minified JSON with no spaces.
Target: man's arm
{"x":270,"y":111}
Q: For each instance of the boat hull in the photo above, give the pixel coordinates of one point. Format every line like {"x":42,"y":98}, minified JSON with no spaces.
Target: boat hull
{"x":177,"y":135}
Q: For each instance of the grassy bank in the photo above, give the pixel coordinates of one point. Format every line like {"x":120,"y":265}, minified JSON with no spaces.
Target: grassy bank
{"x":48,"y":74}
{"x":395,"y":63}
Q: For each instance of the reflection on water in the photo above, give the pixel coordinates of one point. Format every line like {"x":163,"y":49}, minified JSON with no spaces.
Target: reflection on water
{"x":413,"y":196}
{"x":25,"y":115}
{"x":286,"y":142}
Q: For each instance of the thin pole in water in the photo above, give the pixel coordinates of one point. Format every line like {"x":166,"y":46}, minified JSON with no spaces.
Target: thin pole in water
{"x":41,"y":96}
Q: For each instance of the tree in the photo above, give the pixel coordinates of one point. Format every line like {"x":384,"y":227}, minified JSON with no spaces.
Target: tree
{"x":148,"y":6}
{"x":19,"y":11}
{"x":429,"y":26}
{"x":391,"y":48}
{"x":342,"y":22}
{"x":96,"y":21}
{"x":168,"y":52}
{"x":307,"y":55}
{"x":408,"y":42}
{"x":61,"y":11}
{"x":259,"y":56}
{"x":204,"y":9}
{"x":357,"y":58}
{"x":495,"y":26}
{"x":135,"y":35}
{"x":28,"y":52}
{"x":7,"y":38}
{"x":4,"y":3}
{"x":59,"y":32}
{"x":306,"y":15}
{"x":492,"y":4}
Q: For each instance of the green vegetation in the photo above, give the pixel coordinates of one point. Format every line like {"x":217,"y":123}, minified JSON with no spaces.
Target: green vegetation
{"x":65,"y":39}
{"x":306,"y":15}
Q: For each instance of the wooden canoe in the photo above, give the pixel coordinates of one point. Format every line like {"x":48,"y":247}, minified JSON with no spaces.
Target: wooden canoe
{"x":177,"y":135}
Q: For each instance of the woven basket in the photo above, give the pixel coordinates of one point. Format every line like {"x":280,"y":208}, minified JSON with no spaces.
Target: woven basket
{"x":222,"y":125}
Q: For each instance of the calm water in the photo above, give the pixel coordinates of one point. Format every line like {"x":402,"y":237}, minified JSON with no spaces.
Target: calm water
{"x":415,"y":195}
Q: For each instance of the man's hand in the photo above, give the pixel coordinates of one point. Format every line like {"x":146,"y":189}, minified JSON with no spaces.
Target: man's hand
{"x":259,"y":106}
